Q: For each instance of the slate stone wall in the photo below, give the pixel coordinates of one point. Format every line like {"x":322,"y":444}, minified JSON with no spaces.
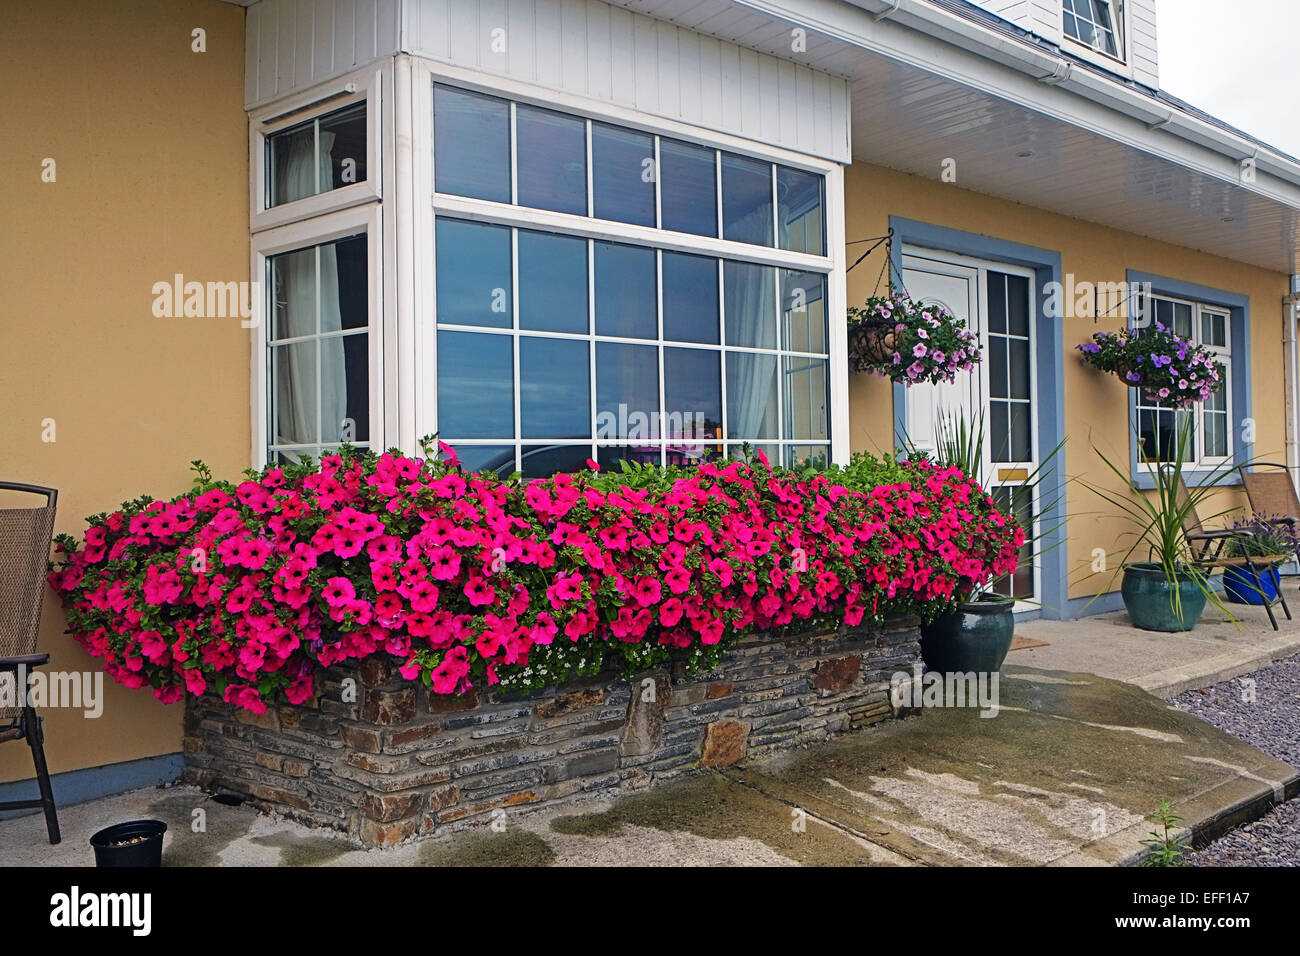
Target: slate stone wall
{"x":384,"y":760}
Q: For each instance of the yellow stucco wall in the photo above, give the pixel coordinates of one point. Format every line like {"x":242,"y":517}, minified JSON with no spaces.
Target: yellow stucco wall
{"x":1096,"y":405}
{"x":150,"y":145}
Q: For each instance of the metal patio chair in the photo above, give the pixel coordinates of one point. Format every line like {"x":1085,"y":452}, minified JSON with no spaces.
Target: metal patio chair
{"x":1207,"y":546}
{"x":24,"y":556}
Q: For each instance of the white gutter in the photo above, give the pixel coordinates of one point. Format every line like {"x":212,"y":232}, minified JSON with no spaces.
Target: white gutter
{"x":1040,"y":64}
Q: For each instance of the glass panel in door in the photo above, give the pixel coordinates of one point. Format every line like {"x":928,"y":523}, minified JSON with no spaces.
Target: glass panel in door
{"x":1010,"y":415}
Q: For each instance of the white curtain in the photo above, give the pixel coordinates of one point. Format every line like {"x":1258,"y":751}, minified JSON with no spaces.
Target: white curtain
{"x":300,"y":281}
{"x":751,"y":320}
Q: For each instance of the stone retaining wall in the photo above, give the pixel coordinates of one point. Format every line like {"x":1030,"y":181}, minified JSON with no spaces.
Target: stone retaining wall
{"x":384,"y":760}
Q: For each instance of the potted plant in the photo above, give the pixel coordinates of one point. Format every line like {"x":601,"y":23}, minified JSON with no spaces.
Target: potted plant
{"x":1269,"y":545}
{"x":975,"y":631}
{"x":1167,"y":591}
{"x":1176,"y":371}
{"x":908,"y":341}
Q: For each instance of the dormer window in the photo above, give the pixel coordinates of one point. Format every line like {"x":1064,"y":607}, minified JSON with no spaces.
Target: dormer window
{"x":1093,"y":23}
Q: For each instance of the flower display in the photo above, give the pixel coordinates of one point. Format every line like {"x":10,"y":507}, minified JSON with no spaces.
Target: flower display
{"x":248,"y":589}
{"x":910,"y":342}
{"x":1175,"y":371}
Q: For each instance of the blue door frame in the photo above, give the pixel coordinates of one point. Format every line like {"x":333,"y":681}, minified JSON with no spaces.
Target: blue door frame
{"x":1049,"y":353}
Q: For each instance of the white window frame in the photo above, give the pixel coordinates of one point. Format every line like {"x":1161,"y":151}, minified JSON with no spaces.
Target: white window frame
{"x":1119,"y":15}
{"x":298,"y":235}
{"x":429,"y":204}
{"x":1203,"y":462}
{"x":363,"y":86}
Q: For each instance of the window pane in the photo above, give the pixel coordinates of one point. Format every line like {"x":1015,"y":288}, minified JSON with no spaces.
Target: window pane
{"x":751,"y":396}
{"x":1019,"y":368}
{"x":773,"y":453}
{"x":806,"y":398}
{"x":750,"y":302}
{"x":999,"y":431}
{"x":626,"y":304}
{"x":997,"y":283}
{"x":1021,"y":441}
{"x":344,"y":292}
{"x":692,"y":394}
{"x":746,"y":200}
{"x":623,"y":186}
{"x":554,"y":398}
{"x":690,"y":285}
{"x":609,"y":456}
{"x":542,"y":461}
{"x":291,"y":164}
{"x":475,"y":386}
{"x":1214,"y":329}
{"x":552,"y":282}
{"x":799,"y":211}
{"x":343,"y":147}
{"x":471,"y":144}
{"x":688,"y":188}
{"x":627,"y":392}
{"x":1165,"y":312}
{"x":1183,"y":319}
{"x":552,"y":160}
{"x":294,"y":395}
{"x":293,"y":294}
{"x":1018,"y":305}
{"x":498,"y":459}
{"x":997,"y":357}
{"x":803,"y":311}
{"x":803,"y":456}
{"x":473,"y":274}
{"x":1216,"y":434}
{"x":345,"y":388}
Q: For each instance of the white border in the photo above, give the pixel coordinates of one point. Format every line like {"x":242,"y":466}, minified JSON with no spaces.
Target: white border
{"x":367,"y":219}
{"x":369,"y":84}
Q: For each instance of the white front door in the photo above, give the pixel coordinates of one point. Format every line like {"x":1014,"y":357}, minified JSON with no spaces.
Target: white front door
{"x":997,"y":302}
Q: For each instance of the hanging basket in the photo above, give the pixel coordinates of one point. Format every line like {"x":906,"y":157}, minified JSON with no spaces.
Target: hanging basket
{"x":1122,"y":369}
{"x":871,"y":342}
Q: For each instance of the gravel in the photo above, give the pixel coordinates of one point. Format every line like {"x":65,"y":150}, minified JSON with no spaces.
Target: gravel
{"x":1271,"y":722}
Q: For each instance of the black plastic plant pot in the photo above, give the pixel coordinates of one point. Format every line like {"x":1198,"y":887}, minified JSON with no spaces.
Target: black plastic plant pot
{"x":134,"y":843}
{"x":974,"y":637}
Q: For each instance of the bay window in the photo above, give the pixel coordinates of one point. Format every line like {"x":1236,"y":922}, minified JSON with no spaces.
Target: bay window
{"x":637,"y":326}
{"x":539,"y":287}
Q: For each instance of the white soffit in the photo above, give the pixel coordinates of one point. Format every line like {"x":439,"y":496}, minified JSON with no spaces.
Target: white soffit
{"x":918,"y":100}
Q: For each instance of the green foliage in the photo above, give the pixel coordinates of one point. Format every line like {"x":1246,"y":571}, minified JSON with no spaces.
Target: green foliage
{"x":1162,"y":513}
{"x":1166,"y":848}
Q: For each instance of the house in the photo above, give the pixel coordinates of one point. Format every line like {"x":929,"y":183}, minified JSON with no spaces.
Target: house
{"x":555,"y":230}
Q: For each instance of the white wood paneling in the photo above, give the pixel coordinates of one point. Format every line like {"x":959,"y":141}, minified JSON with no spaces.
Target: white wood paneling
{"x":589,"y":48}
{"x":594,"y":49}
{"x":1142,"y":41}
{"x":293,"y":44}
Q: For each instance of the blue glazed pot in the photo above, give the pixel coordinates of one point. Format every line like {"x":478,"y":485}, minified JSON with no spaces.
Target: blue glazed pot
{"x":1148,"y":598}
{"x":1240,"y":587}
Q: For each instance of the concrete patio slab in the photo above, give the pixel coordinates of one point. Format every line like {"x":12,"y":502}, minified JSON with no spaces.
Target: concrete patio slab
{"x":1063,"y":775}
{"x":1164,"y":664}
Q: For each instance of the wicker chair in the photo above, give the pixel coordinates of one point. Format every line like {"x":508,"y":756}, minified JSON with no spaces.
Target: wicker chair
{"x":24,"y":555}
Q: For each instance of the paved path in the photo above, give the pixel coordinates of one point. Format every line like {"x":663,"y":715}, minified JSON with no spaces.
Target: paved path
{"x":1164,"y":664}
{"x":1064,"y":774}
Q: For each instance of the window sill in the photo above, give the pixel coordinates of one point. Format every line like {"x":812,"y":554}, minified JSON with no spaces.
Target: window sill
{"x":1196,"y":478}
